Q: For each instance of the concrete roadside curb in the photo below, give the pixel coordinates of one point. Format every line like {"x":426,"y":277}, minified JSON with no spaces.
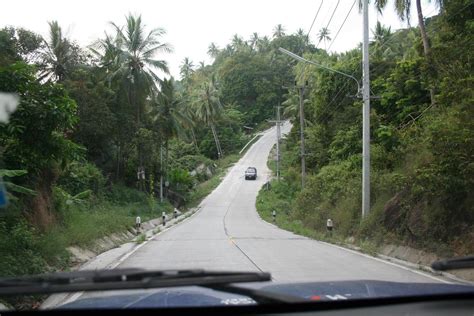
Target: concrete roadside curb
{"x":124,"y":251}
{"x":424,"y":268}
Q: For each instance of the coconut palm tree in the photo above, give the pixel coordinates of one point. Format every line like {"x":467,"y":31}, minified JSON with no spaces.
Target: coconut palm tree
{"x":107,"y":51}
{"x":186,"y":68}
{"x":135,"y":65}
{"x":254,"y":40}
{"x":57,"y":56}
{"x":238,"y":43}
{"x":278,"y":31}
{"x":263,"y":44}
{"x":208,"y":108}
{"x":402,"y":8}
{"x":168,"y":117}
{"x":301,"y":34}
{"x":213,"y":50}
{"x":381,"y":36}
{"x":323,"y":35}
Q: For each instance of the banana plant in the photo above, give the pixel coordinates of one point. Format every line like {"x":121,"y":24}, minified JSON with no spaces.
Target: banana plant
{"x":11,"y":187}
{"x":77,"y":199}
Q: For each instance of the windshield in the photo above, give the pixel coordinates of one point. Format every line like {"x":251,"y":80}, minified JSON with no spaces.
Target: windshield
{"x":131,"y":133}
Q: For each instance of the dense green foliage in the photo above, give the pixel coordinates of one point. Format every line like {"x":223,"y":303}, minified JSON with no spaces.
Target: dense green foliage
{"x":421,"y":153}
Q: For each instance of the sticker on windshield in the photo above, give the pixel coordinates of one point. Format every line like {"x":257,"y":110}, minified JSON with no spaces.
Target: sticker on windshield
{"x":238,"y":301}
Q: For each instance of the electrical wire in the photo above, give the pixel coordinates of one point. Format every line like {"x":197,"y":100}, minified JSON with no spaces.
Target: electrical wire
{"x":330,"y":19}
{"x":307,"y":37}
{"x":325,"y":117}
{"x":345,"y":19}
{"x":314,"y":20}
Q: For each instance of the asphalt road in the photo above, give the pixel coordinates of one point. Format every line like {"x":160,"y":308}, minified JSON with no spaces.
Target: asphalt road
{"x":228,"y":234}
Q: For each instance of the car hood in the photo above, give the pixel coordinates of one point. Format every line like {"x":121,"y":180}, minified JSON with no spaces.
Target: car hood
{"x":315,"y":291}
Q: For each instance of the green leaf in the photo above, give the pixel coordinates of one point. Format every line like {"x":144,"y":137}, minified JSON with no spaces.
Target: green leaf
{"x":19,"y":189}
{"x":12,"y":173}
{"x":82,"y":195}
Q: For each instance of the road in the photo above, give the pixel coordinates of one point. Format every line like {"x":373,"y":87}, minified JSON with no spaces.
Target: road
{"x":228,"y":234}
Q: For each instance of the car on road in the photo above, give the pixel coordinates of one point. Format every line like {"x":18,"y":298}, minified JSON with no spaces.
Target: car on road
{"x":251,"y":173}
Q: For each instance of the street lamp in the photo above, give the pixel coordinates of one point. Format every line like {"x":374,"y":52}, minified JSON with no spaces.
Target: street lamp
{"x":293,"y":55}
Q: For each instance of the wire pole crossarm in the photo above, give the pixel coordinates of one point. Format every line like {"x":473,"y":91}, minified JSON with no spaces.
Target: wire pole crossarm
{"x":293,"y":55}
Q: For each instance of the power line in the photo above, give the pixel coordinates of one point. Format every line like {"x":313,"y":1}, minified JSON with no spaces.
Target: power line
{"x":345,"y":19}
{"x":325,"y":117}
{"x":330,"y":19}
{"x":417,"y":73}
{"x":307,"y":36}
{"x":314,"y":20}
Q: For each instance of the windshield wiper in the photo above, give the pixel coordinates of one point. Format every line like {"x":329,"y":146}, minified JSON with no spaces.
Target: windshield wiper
{"x":120,"y":279}
{"x":454,"y":263}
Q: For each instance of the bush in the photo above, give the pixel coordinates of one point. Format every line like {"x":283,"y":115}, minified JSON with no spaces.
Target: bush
{"x":120,"y":194}
{"x":180,"y":180}
{"x":19,"y":248}
{"x":190,"y":162}
{"x":81,"y":176}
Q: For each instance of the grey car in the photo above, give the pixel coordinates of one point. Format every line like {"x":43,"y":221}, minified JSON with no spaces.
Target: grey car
{"x":251,"y":173}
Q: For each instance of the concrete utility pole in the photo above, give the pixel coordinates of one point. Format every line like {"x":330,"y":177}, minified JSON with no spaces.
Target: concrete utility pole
{"x":278,"y":124}
{"x":365,"y":113}
{"x":161,"y":173}
{"x":303,"y":160}
{"x":278,"y":136}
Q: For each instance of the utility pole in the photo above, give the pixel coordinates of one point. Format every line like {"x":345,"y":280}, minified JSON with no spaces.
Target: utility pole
{"x":278,"y":134}
{"x":303,"y":160}
{"x":301,"y":89}
{"x":365,"y":113}
{"x":161,"y":173}
{"x":278,"y":137}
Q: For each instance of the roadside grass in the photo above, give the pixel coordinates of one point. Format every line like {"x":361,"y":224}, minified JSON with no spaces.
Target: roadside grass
{"x":83,"y":225}
{"x":270,"y":200}
{"x":141,"y":238}
{"x":281,"y":197}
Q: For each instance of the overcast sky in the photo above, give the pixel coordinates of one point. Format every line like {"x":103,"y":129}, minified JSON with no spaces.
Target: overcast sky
{"x":192,"y":25}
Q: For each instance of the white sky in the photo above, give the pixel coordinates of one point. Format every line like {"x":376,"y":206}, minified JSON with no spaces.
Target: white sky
{"x":192,"y":25}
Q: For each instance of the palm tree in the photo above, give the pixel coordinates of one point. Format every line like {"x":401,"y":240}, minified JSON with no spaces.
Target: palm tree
{"x":301,"y":34}
{"x":213,"y":50}
{"x":186,"y":68}
{"x":254,"y":40}
{"x":292,"y":105}
{"x":202,"y":64}
{"x":107,"y":51}
{"x":168,"y":117}
{"x":381,"y":35}
{"x":208,"y":108}
{"x":229,"y":50}
{"x":323,"y":35}
{"x":238,"y":43}
{"x":402,"y":8}
{"x":135,"y":64}
{"x":278,"y":31}
{"x":263,"y":44}
{"x":56,"y":58}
